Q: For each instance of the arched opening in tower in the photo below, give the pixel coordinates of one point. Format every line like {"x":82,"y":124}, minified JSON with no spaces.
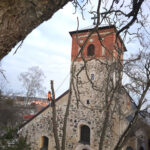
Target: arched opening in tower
{"x":91,"y":50}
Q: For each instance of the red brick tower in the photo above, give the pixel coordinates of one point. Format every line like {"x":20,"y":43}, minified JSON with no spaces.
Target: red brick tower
{"x":107,"y":48}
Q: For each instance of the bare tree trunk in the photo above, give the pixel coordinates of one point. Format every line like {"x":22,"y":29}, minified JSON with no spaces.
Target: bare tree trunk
{"x":105,"y":125}
{"x":66,"y":117}
{"x":107,"y":115}
{"x":55,"y":127}
{"x":19,"y":17}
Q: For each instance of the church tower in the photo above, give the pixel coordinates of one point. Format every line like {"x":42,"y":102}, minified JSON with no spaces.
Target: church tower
{"x":101,"y":60}
{"x":102,"y":56}
{"x":95,"y":74}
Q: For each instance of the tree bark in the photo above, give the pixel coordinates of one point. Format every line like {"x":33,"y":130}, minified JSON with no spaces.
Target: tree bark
{"x":19,"y":17}
{"x":54,"y":118}
{"x":63,"y":144}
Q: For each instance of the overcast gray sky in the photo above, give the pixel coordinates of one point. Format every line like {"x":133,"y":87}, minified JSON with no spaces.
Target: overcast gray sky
{"x":49,"y":47}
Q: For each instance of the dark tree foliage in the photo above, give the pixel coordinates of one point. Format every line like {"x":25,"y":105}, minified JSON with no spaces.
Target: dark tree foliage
{"x":10,"y":141}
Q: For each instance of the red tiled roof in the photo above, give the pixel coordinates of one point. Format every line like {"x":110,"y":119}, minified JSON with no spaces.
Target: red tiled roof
{"x":28,"y":116}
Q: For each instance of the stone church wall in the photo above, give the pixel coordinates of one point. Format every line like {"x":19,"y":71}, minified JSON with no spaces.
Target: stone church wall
{"x":89,"y":110}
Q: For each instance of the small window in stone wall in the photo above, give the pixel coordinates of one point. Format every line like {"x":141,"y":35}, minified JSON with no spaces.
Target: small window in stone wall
{"x":91,"y":50}
{"x":44,"y":143}
{"x":88,"y":101}
{"x":85,"y":134}
{"x":92,"y":76}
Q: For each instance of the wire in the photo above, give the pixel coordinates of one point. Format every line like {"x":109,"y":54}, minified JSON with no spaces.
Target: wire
{"x":62,"y":83}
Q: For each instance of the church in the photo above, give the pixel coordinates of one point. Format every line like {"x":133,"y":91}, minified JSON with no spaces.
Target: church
{"x":100,"y":108}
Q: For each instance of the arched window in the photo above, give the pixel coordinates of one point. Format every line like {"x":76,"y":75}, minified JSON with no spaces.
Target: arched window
{"x":91,"y":50}
{"x":141,"y":148}
{"x":44,"y":143}
{"x":85,"y":134}
{"x":129,"y":148}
